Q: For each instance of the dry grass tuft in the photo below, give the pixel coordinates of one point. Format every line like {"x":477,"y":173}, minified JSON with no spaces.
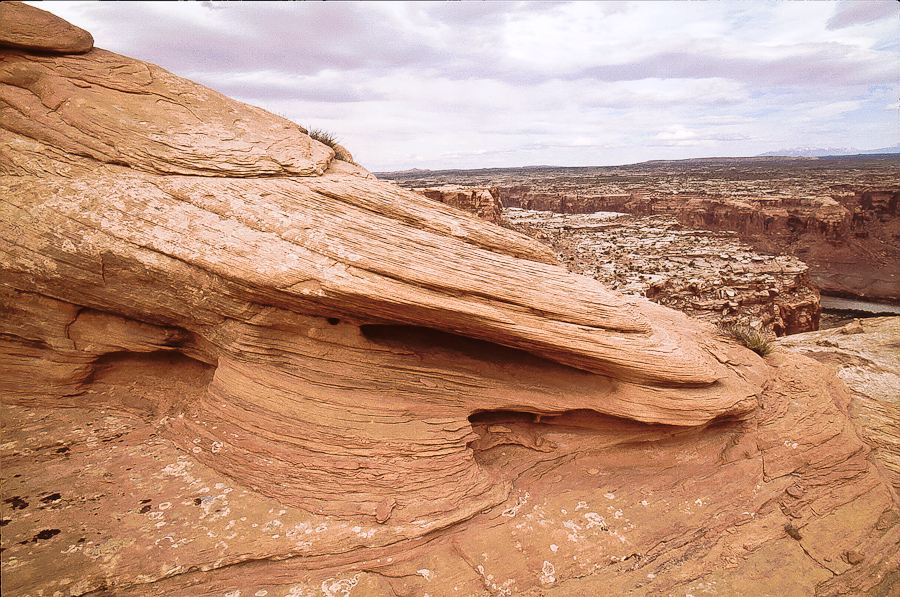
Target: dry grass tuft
{"x":750,"y":338}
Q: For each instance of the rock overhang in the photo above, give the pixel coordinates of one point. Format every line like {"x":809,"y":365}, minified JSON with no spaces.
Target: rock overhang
{"x":184,"y":221}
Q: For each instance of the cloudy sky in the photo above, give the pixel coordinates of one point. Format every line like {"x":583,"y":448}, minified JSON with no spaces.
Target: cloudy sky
{"x":486,"y":84}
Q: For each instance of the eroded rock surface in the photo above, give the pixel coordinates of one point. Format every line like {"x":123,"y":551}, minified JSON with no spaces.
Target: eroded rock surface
{"x":233,"y":364}
{"x":481,"y":202}
{"x":344,"y":318}
{"x":711,"y":276}
{"x":865,"y":355}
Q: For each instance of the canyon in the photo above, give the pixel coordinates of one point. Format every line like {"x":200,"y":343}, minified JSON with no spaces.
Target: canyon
{"x":234,"y":363}
{"x":839,"y":215}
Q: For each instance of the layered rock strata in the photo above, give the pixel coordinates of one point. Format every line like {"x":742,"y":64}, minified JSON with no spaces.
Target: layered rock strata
{"x":849,"y":242}
{"x":865,"y":355}
{"x":345,"y":319}
{"x":712,"y":276}
{"x":481,"y":202}
{"x":241,"y":366}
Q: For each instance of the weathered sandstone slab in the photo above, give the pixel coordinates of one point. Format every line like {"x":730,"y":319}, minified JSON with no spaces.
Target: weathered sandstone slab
{"x":345,"y":319}
{"x":28,"y":28}
{"x":865,"y":355}
{"x":242,"y":366}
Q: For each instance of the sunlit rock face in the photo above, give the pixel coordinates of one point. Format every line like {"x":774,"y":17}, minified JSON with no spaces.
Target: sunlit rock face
{"x":353,"y":327}
{"x":270,"y":358}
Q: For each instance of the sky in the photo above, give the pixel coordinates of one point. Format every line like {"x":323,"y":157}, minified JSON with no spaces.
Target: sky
{"x":443,"y":85}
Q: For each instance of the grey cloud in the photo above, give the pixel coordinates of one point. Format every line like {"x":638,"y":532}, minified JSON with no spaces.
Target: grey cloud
{"x":303,"y":37}
{"x":827,"y":66}
{"x":856,"y":12}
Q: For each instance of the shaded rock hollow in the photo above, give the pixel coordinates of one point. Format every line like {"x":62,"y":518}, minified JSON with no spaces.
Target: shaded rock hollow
{"x":281,"y":373}
{"x":186,"y":221}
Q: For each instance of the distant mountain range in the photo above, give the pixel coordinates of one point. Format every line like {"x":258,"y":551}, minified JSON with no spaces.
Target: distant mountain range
{"x":811,"y":152}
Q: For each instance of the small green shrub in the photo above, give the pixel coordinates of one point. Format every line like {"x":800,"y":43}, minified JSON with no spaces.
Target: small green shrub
{"x":750,"y":338}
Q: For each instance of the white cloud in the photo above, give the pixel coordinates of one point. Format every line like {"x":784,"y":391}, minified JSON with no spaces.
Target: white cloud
{"x":470,"y":84}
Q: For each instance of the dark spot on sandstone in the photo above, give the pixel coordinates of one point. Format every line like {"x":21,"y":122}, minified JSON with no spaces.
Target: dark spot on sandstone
{"x":5,"y":522}
{"x":197,"y":501}
{"x":793,"y":532}
{"x":47,"y":533}
{"x":51,"y":498}
{"x":42,"y":535}
{"x":16,"y":503}
{"x":62,"y":450}
{"x":145,"y":509}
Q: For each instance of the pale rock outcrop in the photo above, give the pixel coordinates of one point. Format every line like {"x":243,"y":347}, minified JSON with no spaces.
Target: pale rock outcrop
{"x":711,"y":276}
{"x":865,"y":355}
{"x":282,"y":376}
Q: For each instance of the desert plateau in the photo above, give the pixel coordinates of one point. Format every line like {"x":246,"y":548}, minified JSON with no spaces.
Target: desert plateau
{"x":235,"y":362}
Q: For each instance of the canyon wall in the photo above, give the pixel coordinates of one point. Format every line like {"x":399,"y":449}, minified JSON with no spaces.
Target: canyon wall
{"x":837,"y":214}
{"x":850,"y":242}
{"x":483,"y":203}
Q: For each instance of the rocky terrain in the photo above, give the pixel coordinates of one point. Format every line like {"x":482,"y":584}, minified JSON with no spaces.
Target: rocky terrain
{"x":235,"y":364}
{"x":865,"y":355}
{"x":711,"y":276}
{"x":480,"y":202}
{"x":838,"y":215}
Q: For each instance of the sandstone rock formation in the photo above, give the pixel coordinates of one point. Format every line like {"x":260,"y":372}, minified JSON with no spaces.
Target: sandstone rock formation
{"x":29,"y":28}
{"x":235,"y":365}
{"x":482,"y":202}
{"x":839,"y":215}
{"x":188,"y":222}
{"x":865,"y":355}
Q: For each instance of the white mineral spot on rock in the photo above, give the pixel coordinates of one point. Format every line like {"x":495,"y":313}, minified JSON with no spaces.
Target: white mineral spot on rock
{"x":609,"y":496}
{"x":426,"y":574}
{"x":547,"y":573}
{"x":595,"y":520}
{"x":340,"y":587}
{"x":554,"y":547}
